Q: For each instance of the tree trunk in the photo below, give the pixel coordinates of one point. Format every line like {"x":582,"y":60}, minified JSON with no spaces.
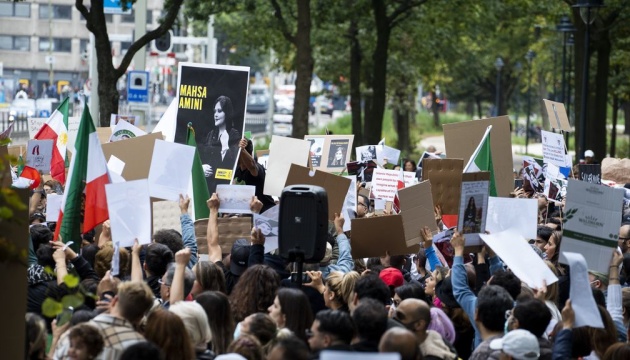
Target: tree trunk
{"x":402,"y":128}
{"x":355,"y":83}
{"x":435,"y":109}
{"x":625,"y":107}
{"x":479,"y":110}
{"x":374,"y":119}
{"x":107,"y":92}
{"x":598,"y":104}
{"x":613,"y":134}
{"x":304,"y":69}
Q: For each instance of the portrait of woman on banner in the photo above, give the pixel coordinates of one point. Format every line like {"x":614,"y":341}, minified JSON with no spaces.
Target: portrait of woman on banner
{"x":220,"y":148}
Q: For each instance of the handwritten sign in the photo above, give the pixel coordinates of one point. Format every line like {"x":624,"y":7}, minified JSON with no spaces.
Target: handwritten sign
{"x":591,"y":173}
{"x":39,"y":155}
{"x":553,"y":149}
{"x":385,"y":183}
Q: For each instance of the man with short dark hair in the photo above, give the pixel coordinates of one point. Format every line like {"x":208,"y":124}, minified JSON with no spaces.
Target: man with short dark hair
{"x":370,"y":318}
{"x":289,"y":348}
{"x":369,"y":286}
{"x":493,"y":304}
{"x":156,"y":260}
{"x":331,"y":330}
{"x":415,"y":315}
{"x":402,"y":341}
{"x":534,"y":316}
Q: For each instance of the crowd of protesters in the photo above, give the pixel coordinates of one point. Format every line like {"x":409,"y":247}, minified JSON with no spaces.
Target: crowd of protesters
{"x":166,"y":300}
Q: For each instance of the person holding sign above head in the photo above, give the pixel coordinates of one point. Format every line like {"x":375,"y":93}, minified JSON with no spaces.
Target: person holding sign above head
{"x":220,"y":149}
{"x":250,"y":171}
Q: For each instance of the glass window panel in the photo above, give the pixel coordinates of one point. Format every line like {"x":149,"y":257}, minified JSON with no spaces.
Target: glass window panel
{"x":6,"y":42}
{"x":22,"y":43}
{"x":23,"y":10}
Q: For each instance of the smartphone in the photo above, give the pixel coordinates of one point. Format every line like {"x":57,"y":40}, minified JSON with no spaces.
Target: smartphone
{"x":305,"y":278}
{"x":518,"y":183}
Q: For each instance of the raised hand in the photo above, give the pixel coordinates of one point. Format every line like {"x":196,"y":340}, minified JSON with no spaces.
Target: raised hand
{"x":184,"y":202}
{"x":255,"y":205}
{"x":213,"y":203}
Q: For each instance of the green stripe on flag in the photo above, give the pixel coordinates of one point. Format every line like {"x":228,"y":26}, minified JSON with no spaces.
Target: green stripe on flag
{"x":199,"y":184}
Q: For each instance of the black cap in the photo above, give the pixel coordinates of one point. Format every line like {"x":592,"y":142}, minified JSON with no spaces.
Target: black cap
{"x":239,"y":256}
{"x":444,"y":292}
{"x":38,"y":216}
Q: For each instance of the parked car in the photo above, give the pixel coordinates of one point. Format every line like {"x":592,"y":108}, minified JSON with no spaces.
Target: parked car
{"x":325,"y":105}
{"x":282,"y":124}
{"x":284,"y":104}
{"x":22,"y":109}
{"x":258,"y":99}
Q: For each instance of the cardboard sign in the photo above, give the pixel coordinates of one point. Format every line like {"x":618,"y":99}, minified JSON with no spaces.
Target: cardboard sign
{"x":39,"y":155}
{"x":462,"y":139}
{"x":591,"y":173}
{"x":230,"y":230}
{"x":473,"y":206}
{"x":336,"y":186}
{"x":282,"y":153}
{"x":554,"y":149}
{"x":330,"y":152}
{"x":213,"y":99}
{"x":416,"y":209}
{"x":557,"y":115}
{"x":446,"y":182}
{"x":136,"y":153}
{"x":362,"y":170}
{"x":374,"y":236}
{"x":385,"y":183}
{"x":593,"y":216}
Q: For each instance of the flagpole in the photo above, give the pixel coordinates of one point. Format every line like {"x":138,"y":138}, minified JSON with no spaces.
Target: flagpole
{"x":474,"y":154}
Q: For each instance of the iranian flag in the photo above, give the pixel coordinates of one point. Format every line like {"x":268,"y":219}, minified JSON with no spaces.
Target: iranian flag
{"x":27,"y":177}
{"x":400,"y":185}
{"x":481,"y":160}
{"x":56,"y":129}
{"x":199,"y":187}
{"x":86,"y":180}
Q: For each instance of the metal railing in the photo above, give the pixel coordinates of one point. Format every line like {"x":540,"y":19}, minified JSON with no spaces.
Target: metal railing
{"x":256,"y":123}
{"x":20,"y":128}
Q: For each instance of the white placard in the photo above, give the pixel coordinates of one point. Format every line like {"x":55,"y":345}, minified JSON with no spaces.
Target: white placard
{"x":39,"y":155}
{"x":170,"y":170}
{"x":519,"y":215}
{"x":582,"y":301}
{"x":115,"y":166}
{"x":385,"y":183}
{"x":125,"y":130}
{"x":53,"y":207}
{"x":519,"y":256}
{"x":593,"y":217}
{"x":269,"y":228}
{"x":350,"y":203}
{"x":384,"y":152}
{"x":553,"y":149}
{"x":129,"y":207}
{"x":282,"y":153}
{"x":235,"y":199}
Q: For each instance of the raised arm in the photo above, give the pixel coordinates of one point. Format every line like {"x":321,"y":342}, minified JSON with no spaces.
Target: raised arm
{"x":246,"y":160}
{"x":182,"y":257}
{"x":188,"y":230}
{"x":136,"y":265}
{"x":212,"y":236}
{"x":345,"y":263}
{"x":106,"y":234}
{"x":429,"y":250}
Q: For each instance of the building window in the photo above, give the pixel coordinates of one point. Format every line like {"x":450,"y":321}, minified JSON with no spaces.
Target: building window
{"x":15,"y":9}
{"x":83,"y":46}
{"x":59,"y":45}
{"x":20,"y":43}
{"x":149,"y":16}
{"x":58,"y":12}
{"x":128,"y":18}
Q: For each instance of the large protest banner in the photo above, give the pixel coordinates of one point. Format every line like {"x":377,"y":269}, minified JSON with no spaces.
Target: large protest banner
{"x":213,"y":99}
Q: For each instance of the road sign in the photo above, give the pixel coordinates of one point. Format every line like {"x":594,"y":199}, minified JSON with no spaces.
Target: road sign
{"x":114,"y":7}
{"x":138,"y":86}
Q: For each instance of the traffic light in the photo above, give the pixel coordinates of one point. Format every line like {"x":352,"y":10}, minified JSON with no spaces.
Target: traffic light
{"x":164,"y":43}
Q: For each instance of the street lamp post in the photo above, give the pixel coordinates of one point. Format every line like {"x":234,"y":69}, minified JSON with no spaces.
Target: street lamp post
{"x":530,"y":57}
{"x":499,"y":65}
{"x":565,"y":27}
{"x":588,"y":9}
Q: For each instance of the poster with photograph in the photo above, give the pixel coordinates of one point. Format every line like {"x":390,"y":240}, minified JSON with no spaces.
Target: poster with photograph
{"x":338,"y":153}
{"x":317,"y":150}
{"x":473,"y":207}
{"x":269,"y":228}
{"x":362,"y":170}
{"x":235,"y":199}
{"x":213,"y":99}
{"x":366,"y":153}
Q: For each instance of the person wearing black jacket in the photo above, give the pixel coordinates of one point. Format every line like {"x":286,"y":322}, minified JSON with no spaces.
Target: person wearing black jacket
{"x":331,"y":330}
{"x":250,"y":171}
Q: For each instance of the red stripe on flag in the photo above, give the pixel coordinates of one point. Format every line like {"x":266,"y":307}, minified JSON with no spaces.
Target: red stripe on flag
{"x":57,"y":163}
{"x":95,"y":203}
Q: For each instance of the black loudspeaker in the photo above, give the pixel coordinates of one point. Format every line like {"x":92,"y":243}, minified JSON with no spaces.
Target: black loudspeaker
{"x":303,"y":223}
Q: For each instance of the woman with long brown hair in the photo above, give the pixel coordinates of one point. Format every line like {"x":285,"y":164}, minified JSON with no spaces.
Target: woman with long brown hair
{"x":217,"y":307}
{"x":208,"y":277}
{"x":292,"y":310}
{"x":167,"y":330}
{"x":254,"y":291}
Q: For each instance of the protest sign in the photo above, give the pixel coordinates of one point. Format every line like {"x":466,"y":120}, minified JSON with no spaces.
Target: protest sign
{"x":533,"y":173}
{"x":462,"y":139}
{"x":363,"y":171}
{"x":386,"y":154}
{"x":283,"y":151}
{"x":385,"y":183}
{"x":129,"y":207}
{"x":591,"y":173}
{"x":336,"y":186}
{"x":555,"y":183}
{"x":580,"y":292}
{"x":366,"y":153}
{"x":446,"y":182}
{"x":375,"y":236}
{"x":350,"y":203}
{"x":557,"y":115}
{"x":427,"y":155}
{"x":416,"y":209}
{"x":473,"y":208}
{"x":235,"y":198}
{"x":213,"y":98}
{"x":135,"y":153}
{"x":125,"y":130}
{"x":593,"y":216}
{"x":39,"y":155}
{"x":330,"y":152}
{"x":517,"y":215}
{"x":519,"y":256}
{"x":554,"y":149}
{"x":53,"y":207}
{"x":170,"y":170}
{"x":230,"y":230}
{"x":269,"y":228}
